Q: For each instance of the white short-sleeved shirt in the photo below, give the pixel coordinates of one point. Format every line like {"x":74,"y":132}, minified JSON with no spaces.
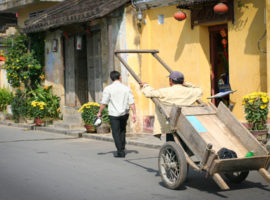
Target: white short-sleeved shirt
{"x":118,"y":97}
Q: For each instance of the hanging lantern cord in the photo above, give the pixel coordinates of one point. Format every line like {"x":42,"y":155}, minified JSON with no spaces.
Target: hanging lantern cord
{"x":259,"y":43}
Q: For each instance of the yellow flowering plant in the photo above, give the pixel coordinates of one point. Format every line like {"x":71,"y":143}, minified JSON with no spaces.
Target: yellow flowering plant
{"x":21,"y":66}
{"x":38,"y":109}
{"x":89,"y":112}
{"x":45,"y":94}
{"x":256,"y":109}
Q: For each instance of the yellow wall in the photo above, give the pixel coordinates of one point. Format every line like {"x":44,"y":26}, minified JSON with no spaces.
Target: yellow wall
{"x":23,"y":13}
{"x":188,"y":51}
{"x":180,"y":47}
{"x":247,"y":64}
{"x":268,"y":44}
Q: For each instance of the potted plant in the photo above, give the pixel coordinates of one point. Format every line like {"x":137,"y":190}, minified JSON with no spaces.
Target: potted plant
{"x":88,"y":113}
{"x":38,"y":111}
{"x":45,"y":94}
{"x":256,"y":110}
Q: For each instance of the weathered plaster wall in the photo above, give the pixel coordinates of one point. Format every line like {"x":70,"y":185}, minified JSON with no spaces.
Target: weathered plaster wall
{"x":23,"y":13}
{"x":54,"y":66}
{"x":111,"y":29}
{"x":247,"y":64}
{"x":3,"y":76}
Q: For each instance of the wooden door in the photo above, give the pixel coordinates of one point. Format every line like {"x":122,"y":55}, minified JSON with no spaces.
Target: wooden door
{"x":94,"y":66}
{"x":69,"y":72}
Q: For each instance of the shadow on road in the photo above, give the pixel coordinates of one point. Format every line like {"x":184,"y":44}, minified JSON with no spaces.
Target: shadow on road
{"x":198,"y":181}
{"x":112,"y":152}
{"x":132,"y":161}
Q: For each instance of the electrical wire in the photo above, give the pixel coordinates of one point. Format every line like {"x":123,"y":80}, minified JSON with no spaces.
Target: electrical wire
{"x":259,"y":43}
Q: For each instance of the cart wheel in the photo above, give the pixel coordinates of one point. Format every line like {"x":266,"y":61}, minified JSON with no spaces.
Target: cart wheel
{"x":172,"y":165}
{"x":237,"y":177}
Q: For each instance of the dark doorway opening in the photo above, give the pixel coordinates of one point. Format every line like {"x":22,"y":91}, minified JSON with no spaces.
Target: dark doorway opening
{"x":81,"y":83}
{"x":219,"y":62}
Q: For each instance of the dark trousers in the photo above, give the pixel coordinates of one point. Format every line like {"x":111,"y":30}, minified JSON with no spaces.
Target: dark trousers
{"x":118,"y":125}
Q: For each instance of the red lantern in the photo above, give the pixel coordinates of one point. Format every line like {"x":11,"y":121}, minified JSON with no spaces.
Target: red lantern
{"x":66,"y":35}
{"x":221,"y":8}
{"x":179,"y":15}
{"x":224,"y":42}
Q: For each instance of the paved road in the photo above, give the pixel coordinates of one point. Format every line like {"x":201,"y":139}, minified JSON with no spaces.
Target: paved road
{"x":47,"y":166}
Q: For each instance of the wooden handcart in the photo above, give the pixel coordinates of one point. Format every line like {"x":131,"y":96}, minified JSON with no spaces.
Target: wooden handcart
{"x":199,"y":132}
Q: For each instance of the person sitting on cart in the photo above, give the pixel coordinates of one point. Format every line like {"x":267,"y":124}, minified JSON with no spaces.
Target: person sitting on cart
{"x":179,"y":93}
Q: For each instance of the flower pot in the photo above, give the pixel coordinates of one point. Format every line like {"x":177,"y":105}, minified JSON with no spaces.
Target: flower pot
{"x":103,"y":128}
{"x":38,"y":121}
{"x":90,"y":128}
{"x":261,"y":135}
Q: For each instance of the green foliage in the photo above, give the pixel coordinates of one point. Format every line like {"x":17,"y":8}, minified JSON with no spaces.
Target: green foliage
{"x":5,"y":98}
{"x":38,"y":46}
{"x":45,"y":94}
{"x":19,"y":105}
{"x":21,"y":66}
{"x":89,"y":112}
{"x":256,"y":109}
{"x":38,"y":109}
{"x":105,"y":116}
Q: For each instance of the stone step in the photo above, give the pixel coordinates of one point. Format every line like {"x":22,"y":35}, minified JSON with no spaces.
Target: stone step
{"x":71,"y":116}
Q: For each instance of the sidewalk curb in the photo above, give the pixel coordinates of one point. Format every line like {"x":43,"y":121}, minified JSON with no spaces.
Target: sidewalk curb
{"x":13,"y":124}
{"x":75,"y":133}
{"x":78,"y":134}
{"x":109,"y":139}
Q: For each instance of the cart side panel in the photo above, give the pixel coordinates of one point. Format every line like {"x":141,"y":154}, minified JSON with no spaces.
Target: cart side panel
{"x":206,"y":110}
{"x":241,"y":132}
{"x":239,"y":164}
{"x":190,"y":136}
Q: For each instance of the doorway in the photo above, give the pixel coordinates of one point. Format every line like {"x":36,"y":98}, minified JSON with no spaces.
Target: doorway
{"x":94,"y":66}
{"x":219,"y":62}
{"x":75,"y":59}
{"x":83,"y":68}
{"x":81,"y":81}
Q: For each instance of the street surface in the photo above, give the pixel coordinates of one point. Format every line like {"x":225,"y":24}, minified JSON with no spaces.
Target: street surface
{"x":48,"y":166}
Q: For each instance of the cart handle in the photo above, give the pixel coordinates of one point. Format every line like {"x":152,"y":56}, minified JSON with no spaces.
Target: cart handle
{"x":152,"y":51}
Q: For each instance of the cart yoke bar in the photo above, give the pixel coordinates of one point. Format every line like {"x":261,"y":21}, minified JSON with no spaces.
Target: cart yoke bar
{"x":153,"y":52}
{"x":136,"y":51}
